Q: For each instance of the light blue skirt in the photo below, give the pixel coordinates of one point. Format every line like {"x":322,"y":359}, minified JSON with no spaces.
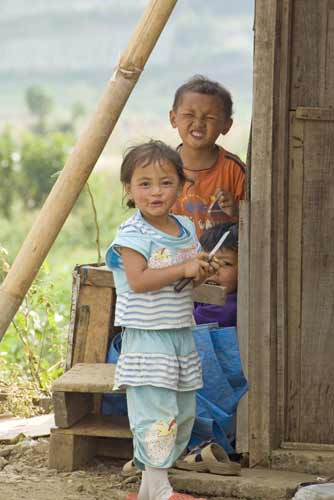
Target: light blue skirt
{"x":159,"y":358}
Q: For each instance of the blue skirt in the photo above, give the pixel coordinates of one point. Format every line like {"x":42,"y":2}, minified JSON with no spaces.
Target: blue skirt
{"x":159,"y":358}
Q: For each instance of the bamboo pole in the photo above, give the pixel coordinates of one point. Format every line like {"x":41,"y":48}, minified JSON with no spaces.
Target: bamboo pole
{"x":82,"y":160}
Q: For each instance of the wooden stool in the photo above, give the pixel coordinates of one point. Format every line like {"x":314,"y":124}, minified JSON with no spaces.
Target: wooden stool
{"x":79,"y":432}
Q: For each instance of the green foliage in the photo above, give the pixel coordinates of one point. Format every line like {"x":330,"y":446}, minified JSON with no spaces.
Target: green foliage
{"x":40,"y":104}
{"x":8,"y":162}
{"x":33,"y":348}
{"x":41,"y":158}
{"x":34,"y":345}
{"x":28,"y":165}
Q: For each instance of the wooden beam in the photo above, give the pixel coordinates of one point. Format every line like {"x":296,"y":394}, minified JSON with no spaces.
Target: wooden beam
{"x":70,"y":407}
{"x":268,"y":228}
{"x":242,"y":441}
{"x":95,"y":378}
{"x":97,"y":276}
{"x":262,"y":274}
{"x":82,"y":160}
{"x":210,"y":294}
{"x":68,"y":452}
{"x":100,"y":426}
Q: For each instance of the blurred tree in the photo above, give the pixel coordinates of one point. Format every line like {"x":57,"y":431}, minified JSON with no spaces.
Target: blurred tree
{"x":41,"y":158}
{"x":78,"y":110}
{"x":9,"y":157}
{"x":40,"y":104}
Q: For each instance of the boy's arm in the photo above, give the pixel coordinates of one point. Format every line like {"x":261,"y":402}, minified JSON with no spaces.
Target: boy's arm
{"x":143,"y":279}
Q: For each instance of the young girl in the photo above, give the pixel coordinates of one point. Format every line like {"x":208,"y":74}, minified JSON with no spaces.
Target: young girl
{"x":158,"y":365}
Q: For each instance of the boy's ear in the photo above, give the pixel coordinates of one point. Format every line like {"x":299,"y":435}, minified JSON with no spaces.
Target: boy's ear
{"x":226,"y":126}
{"x":172,"y":118}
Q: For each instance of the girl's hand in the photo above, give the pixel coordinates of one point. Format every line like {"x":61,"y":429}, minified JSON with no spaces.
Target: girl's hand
{"x":227,"y":203}
{"x":199,"y":269}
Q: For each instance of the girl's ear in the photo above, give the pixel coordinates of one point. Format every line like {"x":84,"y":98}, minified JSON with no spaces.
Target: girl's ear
{"x":172,"y":118}
{"x":127,"y":192}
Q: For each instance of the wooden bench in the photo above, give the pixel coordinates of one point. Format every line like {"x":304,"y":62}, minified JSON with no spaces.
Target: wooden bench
{"x":82,"y":432}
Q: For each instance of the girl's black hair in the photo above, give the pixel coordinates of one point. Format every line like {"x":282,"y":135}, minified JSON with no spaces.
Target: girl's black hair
{"x":149,"y":153}
{"x":202,"y":85}
{"x":211,"y":236}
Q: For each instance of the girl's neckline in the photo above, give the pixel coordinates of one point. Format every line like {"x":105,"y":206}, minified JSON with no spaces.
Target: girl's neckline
{"x":182,"y":230}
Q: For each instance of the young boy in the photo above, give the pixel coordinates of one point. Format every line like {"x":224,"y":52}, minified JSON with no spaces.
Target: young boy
{"x":227,"y":276}
{"x":224,"y":381}
{"x":202,"y":110}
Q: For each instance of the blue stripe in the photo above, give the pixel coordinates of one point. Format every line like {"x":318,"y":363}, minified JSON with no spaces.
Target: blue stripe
{"x":154,"y":302}
{"x":154,"y":310}
{"x":129,"y":356}
{"x":195,"y":364}
{"x":154,"y":313}
{"x":122,"y":378}
{"x":126,"y":372}
{"x":158,"y":365}
{"x":155,"y":320}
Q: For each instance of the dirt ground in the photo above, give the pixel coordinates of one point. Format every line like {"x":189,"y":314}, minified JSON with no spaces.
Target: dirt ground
{"x":24,"y":474}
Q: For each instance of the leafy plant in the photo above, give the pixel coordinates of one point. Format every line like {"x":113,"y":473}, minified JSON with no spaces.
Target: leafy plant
{"x":34,"y":345}
{"x":41,"y":157}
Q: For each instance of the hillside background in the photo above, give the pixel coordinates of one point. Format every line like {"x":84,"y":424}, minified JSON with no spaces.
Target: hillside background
{"x":71,"y":47}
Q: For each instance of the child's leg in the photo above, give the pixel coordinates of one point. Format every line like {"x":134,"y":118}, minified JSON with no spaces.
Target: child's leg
{"x":144,"y":492}
{"x":159,"y":485}
{"x":161,"y":421}
{"x":186,"y":402}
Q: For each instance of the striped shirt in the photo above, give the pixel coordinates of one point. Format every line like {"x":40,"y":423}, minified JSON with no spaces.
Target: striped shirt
{"x":165,"y":308}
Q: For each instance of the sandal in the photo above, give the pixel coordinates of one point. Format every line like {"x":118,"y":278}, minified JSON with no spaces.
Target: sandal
{"x":212,"y":458}
{"x":129,"y":469}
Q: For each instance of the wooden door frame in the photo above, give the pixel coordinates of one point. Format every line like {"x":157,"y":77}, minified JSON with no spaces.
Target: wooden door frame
{"x":268,"y":228}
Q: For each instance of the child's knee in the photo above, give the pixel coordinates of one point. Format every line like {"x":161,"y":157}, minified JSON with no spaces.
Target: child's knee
{"x":158,"y":440}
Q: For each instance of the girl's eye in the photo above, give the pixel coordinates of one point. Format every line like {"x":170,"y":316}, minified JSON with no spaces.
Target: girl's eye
{"x":144,"y":184}
{"x":167,"y":183}
{"x":225,"y":263}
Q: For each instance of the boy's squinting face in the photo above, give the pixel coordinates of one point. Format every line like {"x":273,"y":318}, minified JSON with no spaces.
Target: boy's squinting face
{"x":200,"y":119}
{"x":227,"y":275}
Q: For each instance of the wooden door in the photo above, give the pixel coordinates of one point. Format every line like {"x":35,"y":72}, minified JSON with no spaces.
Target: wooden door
{"x":310,"y":345}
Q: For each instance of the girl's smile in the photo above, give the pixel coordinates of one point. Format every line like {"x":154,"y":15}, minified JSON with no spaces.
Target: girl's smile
{"x":154,"y":189}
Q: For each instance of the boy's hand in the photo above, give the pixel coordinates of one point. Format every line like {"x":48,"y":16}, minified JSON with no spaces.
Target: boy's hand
{"x":227,"y":203}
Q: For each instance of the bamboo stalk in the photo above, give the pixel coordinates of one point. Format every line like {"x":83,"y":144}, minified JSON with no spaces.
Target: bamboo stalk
{"x":82,"y":160}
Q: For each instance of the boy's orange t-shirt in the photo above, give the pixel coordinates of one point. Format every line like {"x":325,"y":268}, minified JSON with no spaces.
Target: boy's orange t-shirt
{"x":228,"y":174}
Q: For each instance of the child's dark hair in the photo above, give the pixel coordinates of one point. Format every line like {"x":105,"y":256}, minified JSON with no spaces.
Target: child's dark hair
{"x":211,"y":236}
{"x":202,"y":85}
{"x":145,"y":154}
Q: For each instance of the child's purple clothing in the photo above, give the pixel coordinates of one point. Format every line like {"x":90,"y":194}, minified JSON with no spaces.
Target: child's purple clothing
{"x":225,"y":315}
